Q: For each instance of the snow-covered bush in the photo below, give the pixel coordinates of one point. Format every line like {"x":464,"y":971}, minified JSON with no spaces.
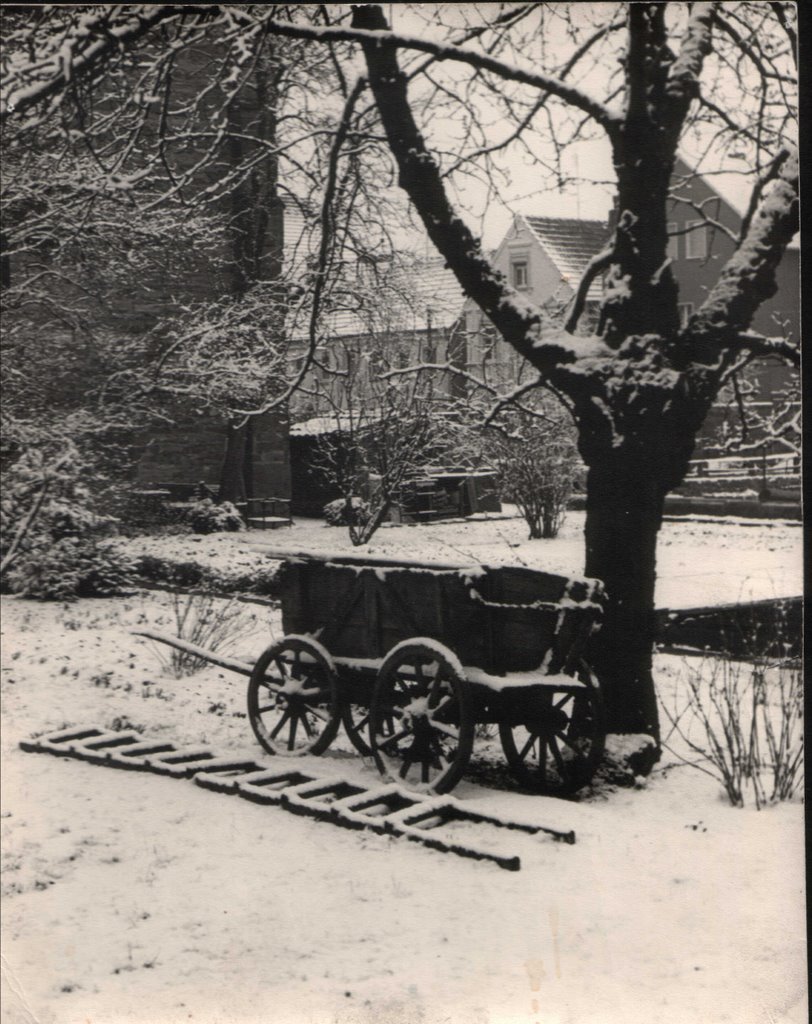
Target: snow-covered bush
{"x":536,"y":461}
{"x":347,"y":512}
{"x":52,"y":539}
{"x":43,"y":500}
{"x":261,"y":580}
{"x":70,"y":568}
{"x":206,"y":516}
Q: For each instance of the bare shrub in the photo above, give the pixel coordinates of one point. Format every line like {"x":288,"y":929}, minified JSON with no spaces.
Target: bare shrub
{"x":742,"y":723}
{"x":206,"y":621}
{"x":534,"y":454}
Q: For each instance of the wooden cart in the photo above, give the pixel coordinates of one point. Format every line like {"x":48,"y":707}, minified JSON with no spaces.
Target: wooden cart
{"x":412,"y":657}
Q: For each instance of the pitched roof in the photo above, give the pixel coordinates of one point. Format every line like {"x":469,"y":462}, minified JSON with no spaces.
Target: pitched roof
{"x":404,"y":297}
{"x":571,"y":244}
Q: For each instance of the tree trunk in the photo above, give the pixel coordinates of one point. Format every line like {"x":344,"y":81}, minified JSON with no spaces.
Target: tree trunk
{"x":624,"y":508}
{"x":232,"y":474}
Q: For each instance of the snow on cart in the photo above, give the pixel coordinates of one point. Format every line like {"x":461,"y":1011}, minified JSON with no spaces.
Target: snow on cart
{"x":411,"y":657}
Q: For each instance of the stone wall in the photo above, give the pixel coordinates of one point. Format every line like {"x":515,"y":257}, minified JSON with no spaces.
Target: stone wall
{"x":192,"y":451}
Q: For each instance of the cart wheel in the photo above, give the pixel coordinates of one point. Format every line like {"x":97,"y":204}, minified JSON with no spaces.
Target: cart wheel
{"x":421,"y":723}
{"x":554,"y":742}
{"x":293,"y":698}
{"x":355,"y":718}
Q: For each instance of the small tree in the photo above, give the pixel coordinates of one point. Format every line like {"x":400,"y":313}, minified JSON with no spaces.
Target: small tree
{"x":387,"y":426}
{"x":536,"y":460}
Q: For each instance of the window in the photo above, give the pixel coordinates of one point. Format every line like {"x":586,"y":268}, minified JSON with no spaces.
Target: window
{"x":686,"y":310}
{"x":696,"y":240}
{"x":521,"y":278}
{"x":673,"y":240}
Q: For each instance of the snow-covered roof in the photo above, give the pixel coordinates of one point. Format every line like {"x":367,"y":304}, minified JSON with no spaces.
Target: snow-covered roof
{"x":405,"y":296}
{"x":409,"y":296}
{"x":317,"y":426}
{"x":571,"y":243}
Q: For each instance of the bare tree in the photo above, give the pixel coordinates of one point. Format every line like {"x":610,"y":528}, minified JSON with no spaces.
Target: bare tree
{"x":644,"y":77}
{"x":381,"y":430}
{"x":143,"y":196}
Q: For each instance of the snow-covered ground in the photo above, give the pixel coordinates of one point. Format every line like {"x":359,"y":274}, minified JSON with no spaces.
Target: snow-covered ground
{"x":700,"y":562}
{"x":135,"y":898}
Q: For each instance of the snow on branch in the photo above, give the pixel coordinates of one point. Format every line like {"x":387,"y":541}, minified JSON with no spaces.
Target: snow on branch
{"x":593,"y":268}
{"x":381,"y":35}
{"x":92,"y":37}
{"x":518,"y":321}
{"x":760,"y":346}
{"x":758,"y":190}
{"x":683,"y":78}
{"x":748,"y":278}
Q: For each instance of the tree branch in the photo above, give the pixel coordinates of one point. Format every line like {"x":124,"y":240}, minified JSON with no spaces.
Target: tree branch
{"x":419,"y":176}
{"x":593,"y":268}
{"x":86,"y":46}
{"x":684,"y":74}
{"x":760,"y":346}
{"x":758,"y":190}
{"x":380,"y":36}
{"x":748,"y":278}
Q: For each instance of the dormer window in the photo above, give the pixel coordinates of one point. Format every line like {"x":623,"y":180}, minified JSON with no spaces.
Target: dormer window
{"x":696,"y":240}
{"x":519,"y":274}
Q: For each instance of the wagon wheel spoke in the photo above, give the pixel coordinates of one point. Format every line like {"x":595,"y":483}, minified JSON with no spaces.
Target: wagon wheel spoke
{"x":319,"y":713}
{"x":448,"y":730}
{"x":292,"y":733}
{"x":418,"y":686}
{"x":569,"y":730}
{"x":434,"y":689}
{"x":317,"y":693}
{"x":526,"y":748}
{"x":446,"y":700}
{"x":281,"y":723}
{"x":542,"y":767}
{"x":569,"y":743}
{"x":392,"y":712}
{"x":389,"y":740}
{"x":559,"y":760}
{"x":304,"y":720}
{"x":442,"y":761}
{"x":270,"y":683}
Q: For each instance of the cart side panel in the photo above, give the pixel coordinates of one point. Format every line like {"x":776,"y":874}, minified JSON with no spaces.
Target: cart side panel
{"x":327,"y":601}
{"x":521,"y":636}
{"x":436,"y":605}
{"x":362,"y":611}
